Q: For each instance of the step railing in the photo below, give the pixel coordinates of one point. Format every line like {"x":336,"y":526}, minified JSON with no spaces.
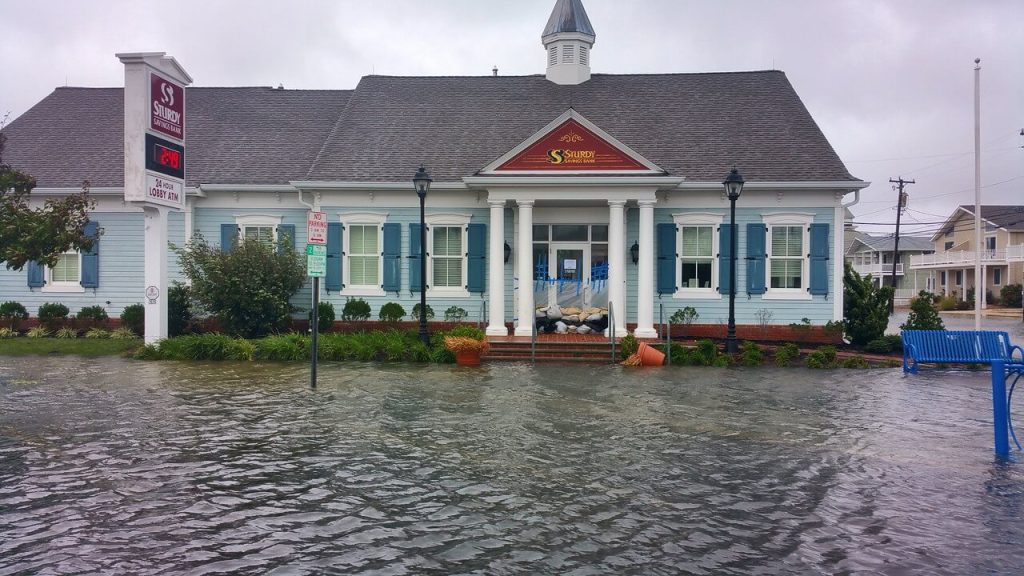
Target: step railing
{"x":611,"y":327}
{"x":482,"y":322}
{"x":533,"y":340}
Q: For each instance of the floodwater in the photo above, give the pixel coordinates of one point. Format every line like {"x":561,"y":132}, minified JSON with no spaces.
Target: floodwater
{"x":121,"y":467}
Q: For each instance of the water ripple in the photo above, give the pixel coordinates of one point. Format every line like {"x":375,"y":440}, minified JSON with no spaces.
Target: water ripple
{"x":114,"y":466}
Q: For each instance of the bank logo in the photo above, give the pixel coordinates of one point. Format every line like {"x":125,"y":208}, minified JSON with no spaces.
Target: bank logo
{"x":166,"y":94}
{"x":566,"y":156}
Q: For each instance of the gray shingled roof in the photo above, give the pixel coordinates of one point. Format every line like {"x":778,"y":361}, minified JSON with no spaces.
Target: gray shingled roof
{"x":692,"y":125}
{"x":568,"y":16}
{"x":235,"y":135}
{"x":1009,"y":217}
{"x":907,"y":243}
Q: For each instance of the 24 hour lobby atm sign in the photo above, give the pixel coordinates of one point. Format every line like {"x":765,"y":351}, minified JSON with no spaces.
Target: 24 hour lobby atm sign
{"x":166,"y":107}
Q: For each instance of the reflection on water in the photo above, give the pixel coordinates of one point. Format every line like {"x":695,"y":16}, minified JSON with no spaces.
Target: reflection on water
{"x":116,"y":466}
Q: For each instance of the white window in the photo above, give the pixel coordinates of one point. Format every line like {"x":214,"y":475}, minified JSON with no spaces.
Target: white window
{"x":787,"y":247}
{"x":990,"y":243}
{"x":65,"y":275}
{"x":697,"y":246}
{"x":446,"y":245}
{"x":362,"y":247}
{"x":948,"y":245}
{"x":258,"y":227}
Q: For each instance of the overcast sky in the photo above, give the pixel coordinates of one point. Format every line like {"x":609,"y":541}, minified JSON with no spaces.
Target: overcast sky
{"x":890,"y":83}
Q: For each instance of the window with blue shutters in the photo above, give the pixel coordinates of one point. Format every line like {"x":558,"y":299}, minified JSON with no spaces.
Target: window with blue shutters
{"x":724,"y":253}
{"x":819,"y":259}
{"x":698,"y":262}
{"x":257,"y":228}
{"x":448,"y":254}
{"x":332,"y":280}
{"x":363,"y":254}
{"x":787,"y":255}
{"x":73,"y":272}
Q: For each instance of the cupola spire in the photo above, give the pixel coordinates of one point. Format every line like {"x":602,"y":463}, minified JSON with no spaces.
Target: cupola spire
{"x":568,"y":38}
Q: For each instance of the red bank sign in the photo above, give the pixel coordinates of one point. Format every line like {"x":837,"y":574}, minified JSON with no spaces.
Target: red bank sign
{"x":571,"y":147}
{"x":166,"y":107}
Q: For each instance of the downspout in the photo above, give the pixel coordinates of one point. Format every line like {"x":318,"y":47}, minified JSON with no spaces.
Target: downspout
{"x":840,"y":306}
{"x":313,"y":208}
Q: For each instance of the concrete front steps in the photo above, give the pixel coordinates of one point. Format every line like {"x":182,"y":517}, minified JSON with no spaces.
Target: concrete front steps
{"x":552,"y":348}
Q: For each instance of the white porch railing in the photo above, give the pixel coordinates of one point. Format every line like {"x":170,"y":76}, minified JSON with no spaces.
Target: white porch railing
{"x":1015,"y":253}
{"x":959,"y":257}
{"x":876,"y":270}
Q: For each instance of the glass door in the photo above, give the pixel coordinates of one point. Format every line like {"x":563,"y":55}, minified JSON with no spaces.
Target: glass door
{"x":570,"y":274}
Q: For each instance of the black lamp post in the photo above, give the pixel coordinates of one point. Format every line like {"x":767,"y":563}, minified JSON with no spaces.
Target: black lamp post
{"x":421,"y":181}
{"x":634,"y":252}
{"x":733,"y":187}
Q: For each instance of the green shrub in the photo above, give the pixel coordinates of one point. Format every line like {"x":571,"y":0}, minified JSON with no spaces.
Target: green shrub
{"x":723,"y":361}
{"x":97,"y":333}
{"x":706,"y":352}
{"x":466,"y":331}
{"x":945,"y":303}
{"x":53,"y":315}
{"x":37,"y":332}
{"x":856,"y":363}
{"x":895,"y":342}
{"x":785,"y":355}
{"x":628,"y":345}
{"x":679,"y":355}
{"x":824,"y":357}
{"x":1010,"y":295}
{"x":66,"y":333}
{"x":391,"y":312}
{"x":148,"y":352}
{"x":325,"y":317}
{"x":355,"y":309}
{"x":865,"y":307}
{"x":133,"y":317}
{"x":91,"y":316}
{"x":750,"y":354}
{"x":416,"y":312}
{"x":12,"y":313}
{"x":453,"y":314}
{"x":179,"y":310}
{"x":205,"y":347}
{"x":878,"y":346}
{"x":923,"y":315}
{"x":6,"y":332}
{"x":283,"y":348}
{"x":248,"y":287}
{"x":124,"y":333}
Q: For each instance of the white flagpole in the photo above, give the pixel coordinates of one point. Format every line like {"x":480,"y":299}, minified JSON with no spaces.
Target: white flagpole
{"x":979,"y":282}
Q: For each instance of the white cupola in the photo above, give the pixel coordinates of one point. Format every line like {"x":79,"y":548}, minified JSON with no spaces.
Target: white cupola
{"x":568,"y":38}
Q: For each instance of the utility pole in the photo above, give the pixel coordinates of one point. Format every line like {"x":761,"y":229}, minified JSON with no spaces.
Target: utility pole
{"x":901,"y":203}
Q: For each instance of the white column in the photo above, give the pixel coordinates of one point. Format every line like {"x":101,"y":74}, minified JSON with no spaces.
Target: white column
{"x":496,"y":271}
{"x":645,"y":273}
{"x":617,"y":266}
{"x":155,"y":273}
{"x":524,"y":256}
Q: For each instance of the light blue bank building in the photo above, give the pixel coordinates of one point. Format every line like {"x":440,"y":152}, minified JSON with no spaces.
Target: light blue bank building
{"x":587,"y":190}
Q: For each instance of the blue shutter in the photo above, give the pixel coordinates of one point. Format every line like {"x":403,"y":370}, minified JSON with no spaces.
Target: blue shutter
{"x":819,"y":259}
{"x":392,"y":257}
{"x":756,"y":255}
{"x":286,"y":232}
{"x":228,"y":236}
{"x":91,"y":258}
{"x":334,"y":256}
{"x":414,"y":258}
{"x":724,"y":248}
{"x":35,"y":274}
{"x":666,"y":235}
{"x":477,"y":258}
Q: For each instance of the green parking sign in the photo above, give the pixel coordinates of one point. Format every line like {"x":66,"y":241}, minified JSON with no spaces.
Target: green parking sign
{"x":316,"y":260}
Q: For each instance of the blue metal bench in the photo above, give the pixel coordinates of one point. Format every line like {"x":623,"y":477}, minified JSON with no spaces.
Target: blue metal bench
{"x":955,"y":346}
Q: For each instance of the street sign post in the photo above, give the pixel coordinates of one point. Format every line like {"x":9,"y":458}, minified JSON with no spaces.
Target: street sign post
{"x":316,"y":260}
{"x":316,"y":227}
{"x":316,"y":268}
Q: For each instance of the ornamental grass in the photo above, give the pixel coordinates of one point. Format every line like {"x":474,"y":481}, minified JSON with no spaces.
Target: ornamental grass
{"x":463,"y":344}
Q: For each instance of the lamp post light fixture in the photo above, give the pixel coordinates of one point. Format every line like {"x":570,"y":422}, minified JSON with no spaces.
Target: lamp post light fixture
{"x":508,"y":252}
{"x":421,"y":181}
{"x":634,"y":251}
{"x":733,"y":187}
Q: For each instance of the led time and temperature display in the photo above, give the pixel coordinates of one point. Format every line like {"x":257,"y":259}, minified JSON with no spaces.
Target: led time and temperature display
{"x":165,"y":157}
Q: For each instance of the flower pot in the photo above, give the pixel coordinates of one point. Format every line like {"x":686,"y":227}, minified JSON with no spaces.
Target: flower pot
{"x":468,"y":358}
{"x":650,"y":356}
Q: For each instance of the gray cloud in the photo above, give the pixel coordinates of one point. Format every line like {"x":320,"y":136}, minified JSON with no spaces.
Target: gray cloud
{"x":889,"y":82}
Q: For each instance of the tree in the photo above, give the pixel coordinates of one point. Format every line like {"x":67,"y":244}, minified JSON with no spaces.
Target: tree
{"x":39,"y":234}
{"x":923,"y":315}
{"x":247,"y":288}
{"x":865,"y":307}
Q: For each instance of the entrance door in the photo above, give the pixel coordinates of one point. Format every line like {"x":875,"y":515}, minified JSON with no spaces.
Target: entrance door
{"x":570,"y":274}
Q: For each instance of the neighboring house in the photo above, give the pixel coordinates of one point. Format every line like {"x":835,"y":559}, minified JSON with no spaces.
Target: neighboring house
{"x":1002,"y":251}
{"x":541,"y":186}
{"x":873,"y":255}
